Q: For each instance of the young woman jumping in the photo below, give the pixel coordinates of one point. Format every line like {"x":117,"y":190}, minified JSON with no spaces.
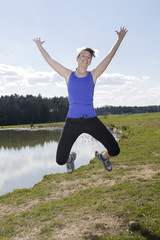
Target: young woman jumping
{"x":81,"y":117}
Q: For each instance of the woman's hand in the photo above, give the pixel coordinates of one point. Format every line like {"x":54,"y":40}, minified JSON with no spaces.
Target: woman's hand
{"x":38,"y":41}
{"x":121,"y":33}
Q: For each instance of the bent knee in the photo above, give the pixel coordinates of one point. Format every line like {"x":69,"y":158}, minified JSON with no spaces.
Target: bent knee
{"x":115,"y":151}
{"x":61,"y":159}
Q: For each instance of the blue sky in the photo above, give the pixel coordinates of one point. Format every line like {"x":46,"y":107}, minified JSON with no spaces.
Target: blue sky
{"x":133,"y":76}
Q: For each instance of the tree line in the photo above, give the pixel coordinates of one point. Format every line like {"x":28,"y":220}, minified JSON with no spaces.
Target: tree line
{"x":126,"y":110}
{"x":17,"y":110}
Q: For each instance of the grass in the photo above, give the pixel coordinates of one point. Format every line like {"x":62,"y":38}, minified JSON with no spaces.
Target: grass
{"x":37,"y":125}
{"x":92,"y":203}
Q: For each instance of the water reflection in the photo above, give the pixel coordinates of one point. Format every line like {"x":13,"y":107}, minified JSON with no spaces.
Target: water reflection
{"x":20,"y":138}
{"x":27,"y":155}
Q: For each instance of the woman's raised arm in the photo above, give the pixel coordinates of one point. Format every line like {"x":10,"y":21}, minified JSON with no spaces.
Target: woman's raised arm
{"x":60,"y":69}
{"x":104,"y":64}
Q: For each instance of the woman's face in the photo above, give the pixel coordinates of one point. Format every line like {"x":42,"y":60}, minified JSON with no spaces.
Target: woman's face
{"x":84,"y":58}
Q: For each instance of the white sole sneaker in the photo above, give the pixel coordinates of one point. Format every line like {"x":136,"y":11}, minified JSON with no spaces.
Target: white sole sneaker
{"x":70,"y":166}
{"x":106,"y":163}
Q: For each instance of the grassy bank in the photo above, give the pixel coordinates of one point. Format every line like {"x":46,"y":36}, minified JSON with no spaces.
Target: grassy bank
{"x":37,"y":125}
{"x":93,"y":204}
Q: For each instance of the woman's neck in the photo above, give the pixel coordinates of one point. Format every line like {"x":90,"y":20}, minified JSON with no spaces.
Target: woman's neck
{"x":81,"y":72}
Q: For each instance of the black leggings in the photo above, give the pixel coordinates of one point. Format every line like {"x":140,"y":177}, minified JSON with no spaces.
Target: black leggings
{"x":74,"y":127}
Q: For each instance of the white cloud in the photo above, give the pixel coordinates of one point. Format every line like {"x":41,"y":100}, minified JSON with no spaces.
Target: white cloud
{"x":145,"y":78}
{"x":61,"y":84}
{"x":24,"y":81}
{"x":118,"y":79}
{"x":111,"y":89}
{"x":14,"y":75}
{"x":120,"y":89}
{"x":154,"y":90}
{"x":2,"y":88}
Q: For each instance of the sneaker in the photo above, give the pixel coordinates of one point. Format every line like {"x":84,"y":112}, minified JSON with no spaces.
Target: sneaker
{"x":106,"y":162}
{"x":70,"y":165}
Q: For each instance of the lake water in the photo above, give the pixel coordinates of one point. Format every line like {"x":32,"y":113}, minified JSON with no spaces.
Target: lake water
{"x":26,"y":155}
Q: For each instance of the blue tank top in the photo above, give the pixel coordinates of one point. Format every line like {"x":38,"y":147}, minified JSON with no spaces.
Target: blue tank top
{"x":81,"y":91}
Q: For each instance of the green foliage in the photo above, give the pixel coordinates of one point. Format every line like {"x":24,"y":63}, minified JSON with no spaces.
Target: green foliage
{"x":17,"y":109}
